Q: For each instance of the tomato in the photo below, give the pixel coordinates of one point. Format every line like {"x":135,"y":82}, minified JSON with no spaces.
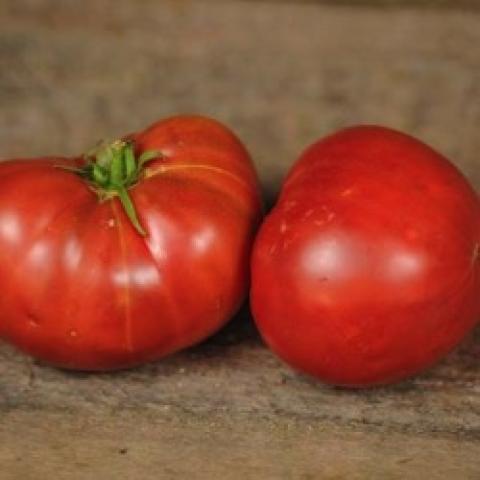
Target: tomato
{"x":137,"y":250}
{"x":367,"y":269}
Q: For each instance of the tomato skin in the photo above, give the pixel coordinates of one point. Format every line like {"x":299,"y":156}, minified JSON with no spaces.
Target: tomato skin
{"x":367,"y":269}
{"x":81,"y":289}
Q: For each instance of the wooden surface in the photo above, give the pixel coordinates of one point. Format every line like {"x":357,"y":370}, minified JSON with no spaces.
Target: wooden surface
{"x":281,"y":74}
{"x":431,"y":4}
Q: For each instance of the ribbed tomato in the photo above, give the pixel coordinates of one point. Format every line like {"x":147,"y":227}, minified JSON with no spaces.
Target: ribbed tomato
{"x":368,"y":268}
{"x":132,"y":252}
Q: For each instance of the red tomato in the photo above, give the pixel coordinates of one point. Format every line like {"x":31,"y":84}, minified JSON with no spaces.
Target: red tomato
{"x":116,"y":263}
{"x":367,"y":269}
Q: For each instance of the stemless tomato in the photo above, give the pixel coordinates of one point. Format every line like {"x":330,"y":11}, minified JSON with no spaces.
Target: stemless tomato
{"x":367,"y":269}
{"x":122,"y":256}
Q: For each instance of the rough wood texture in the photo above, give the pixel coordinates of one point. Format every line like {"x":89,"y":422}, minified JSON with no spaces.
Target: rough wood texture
{"x":281,"y":75}
{"x":449,"y":4}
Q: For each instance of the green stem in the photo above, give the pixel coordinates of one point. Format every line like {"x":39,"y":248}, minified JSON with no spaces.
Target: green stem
{"x":100,"y":175}
{"x":130,"y":163}
{"x":113,"y":169}
{"x":130,"y":210}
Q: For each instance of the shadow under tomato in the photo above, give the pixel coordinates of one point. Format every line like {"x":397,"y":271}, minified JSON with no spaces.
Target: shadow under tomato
{"x":240,"y":330}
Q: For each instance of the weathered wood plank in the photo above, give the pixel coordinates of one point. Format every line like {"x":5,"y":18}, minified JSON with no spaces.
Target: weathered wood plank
{"x":432,"y":4}
{"x":130,"y":445}
{"x":281,"y":75}
{"x":236,"y":375}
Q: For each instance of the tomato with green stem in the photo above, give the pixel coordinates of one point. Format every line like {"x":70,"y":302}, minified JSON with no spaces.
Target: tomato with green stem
{"x":132,"y":252}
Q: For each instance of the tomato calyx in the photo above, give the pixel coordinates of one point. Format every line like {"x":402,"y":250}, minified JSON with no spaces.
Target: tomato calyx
{"x":112,"y":168}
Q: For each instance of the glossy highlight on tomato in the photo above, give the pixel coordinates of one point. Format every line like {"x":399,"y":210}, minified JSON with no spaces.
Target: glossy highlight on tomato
{"x":106,"y":265}
{"x":367,"y":270}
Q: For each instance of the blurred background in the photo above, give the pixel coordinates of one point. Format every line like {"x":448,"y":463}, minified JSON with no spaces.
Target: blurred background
{"x":280,"y":73}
